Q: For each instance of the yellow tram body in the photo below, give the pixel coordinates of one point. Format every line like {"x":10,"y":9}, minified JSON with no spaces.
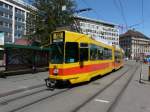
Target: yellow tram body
{"x":81,"y":57}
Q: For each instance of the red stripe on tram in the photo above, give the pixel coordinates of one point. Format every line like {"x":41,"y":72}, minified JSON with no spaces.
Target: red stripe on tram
{"x":80,"y":69}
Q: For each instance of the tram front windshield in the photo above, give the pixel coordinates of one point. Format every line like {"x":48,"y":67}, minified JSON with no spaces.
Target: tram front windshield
{"x":57,"y":53}
{"x":71,"y":53}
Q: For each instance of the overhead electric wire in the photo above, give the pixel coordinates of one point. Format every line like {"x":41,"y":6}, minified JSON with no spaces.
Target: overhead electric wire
{"x":122,"y":13}
{"x":142,"y":13}
{"x":120,"y":9}
{"x":116,"y":5}
{"x":97,"y":14}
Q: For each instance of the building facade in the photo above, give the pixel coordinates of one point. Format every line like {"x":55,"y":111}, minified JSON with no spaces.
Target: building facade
{"x":135,"y":44}
{"x":100,"y":30}
{"x":13,"y":15}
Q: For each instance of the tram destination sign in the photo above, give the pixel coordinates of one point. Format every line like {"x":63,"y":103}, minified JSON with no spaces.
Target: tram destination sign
{"x":58,"y":37}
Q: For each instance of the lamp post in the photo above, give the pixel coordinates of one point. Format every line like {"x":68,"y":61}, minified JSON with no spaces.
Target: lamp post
{"x":128,"y":52}
{"x":149,"y":70}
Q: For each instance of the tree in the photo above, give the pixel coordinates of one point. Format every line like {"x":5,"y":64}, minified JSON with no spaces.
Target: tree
{"x":49,"y":15}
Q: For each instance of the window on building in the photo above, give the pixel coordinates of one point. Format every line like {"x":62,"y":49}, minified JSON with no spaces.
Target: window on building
{"x":19,"y":27}
{"x":1,"y":14}
{"x":10,"y":16}
{"x":22,"y":20}
{"x":1,"y":4}
{"x":16,"y":18}
{"x":6,"y":24}
{"x":10,"y":7}
{"x":6,"y":6}
{"x":6,"y":15}
{"x":19,"y":19}
{"x":22,"y":12}
{"x":19,"y":35}
{"x":97,"y":27}
{"x":6,"y":34}
{"x":1,"y":23}
{"x":10,"y":25}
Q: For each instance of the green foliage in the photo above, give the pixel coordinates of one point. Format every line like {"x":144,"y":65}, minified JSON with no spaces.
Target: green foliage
{"x":48,"y":17}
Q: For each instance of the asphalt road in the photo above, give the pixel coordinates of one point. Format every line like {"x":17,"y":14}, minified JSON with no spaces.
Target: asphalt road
{"x":97,"y":96}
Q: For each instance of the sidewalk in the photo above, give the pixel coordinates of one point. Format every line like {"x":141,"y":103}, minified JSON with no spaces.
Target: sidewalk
{"x":136,"y":97}
{"x":23,"y":82}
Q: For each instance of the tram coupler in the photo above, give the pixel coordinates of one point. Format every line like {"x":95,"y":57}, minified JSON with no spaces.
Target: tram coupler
{"x":50,"y":83}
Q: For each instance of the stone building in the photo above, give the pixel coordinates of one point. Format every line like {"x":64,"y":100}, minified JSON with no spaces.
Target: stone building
{"x":135,"y":44}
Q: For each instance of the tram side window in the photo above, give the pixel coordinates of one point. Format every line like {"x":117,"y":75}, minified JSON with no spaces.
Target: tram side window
{"x":107,"y":54}
{"x":93,"y":52}
{"x":71,"y":52}
{"x":117,"y":56}
{"x":100,"y":53}
{"x":83,"y":52}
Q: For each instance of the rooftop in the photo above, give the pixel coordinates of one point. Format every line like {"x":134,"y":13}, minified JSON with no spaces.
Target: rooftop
{"x":22,"y":3}
{"x":96,"y":21}
{"x":133,"y":33}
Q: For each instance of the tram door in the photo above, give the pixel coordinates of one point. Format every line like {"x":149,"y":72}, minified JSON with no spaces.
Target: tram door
{"x":84,"y":55}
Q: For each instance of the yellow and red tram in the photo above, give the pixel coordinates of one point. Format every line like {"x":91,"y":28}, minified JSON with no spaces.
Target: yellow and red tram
{"x":77,"y":58}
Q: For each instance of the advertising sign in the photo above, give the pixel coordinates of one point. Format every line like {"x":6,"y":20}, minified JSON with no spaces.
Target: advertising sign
{"x":1,"y":38}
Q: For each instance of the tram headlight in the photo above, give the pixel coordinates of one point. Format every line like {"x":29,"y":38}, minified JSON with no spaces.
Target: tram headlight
{"x":55,"y":71}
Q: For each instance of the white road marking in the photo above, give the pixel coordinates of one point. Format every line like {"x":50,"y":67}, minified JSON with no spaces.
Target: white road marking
{"x":103,"y":101}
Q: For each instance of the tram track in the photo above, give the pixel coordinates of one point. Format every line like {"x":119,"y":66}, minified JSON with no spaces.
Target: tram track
{"x":21,"y":93}
{"x":104,"y":88}
{"x":40,"y":96}
{"x":115,"y":102}
{"x":5,"y":103}
{"x":13,"y":97}
{"x":13,"y":92}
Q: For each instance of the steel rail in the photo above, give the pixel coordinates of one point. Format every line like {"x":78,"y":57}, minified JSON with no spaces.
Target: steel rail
{"x":48,"y":96}
{"x":115,"y":102}
{"x":100,"y":91}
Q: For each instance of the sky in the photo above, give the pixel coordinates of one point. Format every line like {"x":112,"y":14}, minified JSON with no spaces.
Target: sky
{"x":127,"y":14}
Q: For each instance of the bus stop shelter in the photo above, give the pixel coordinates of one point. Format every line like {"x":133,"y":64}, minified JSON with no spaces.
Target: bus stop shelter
{"x":22,"y":58}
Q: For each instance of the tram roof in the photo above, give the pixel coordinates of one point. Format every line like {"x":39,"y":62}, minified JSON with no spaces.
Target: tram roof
{"x":85,"y":36}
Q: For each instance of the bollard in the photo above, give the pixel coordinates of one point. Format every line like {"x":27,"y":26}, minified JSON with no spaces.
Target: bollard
{"x":140,"y":74}
{"x":149,"y":72}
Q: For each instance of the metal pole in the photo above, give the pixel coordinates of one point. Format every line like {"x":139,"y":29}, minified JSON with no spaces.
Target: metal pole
{"x":140,"y":73}
{"x":149,"y":72}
